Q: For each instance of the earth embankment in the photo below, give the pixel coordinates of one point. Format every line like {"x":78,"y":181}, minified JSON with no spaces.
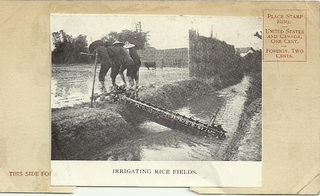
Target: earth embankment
{"x":79,"y":131}
{"x":246,"y":144}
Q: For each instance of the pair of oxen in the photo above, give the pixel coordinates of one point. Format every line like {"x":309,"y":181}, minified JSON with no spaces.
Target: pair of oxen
{"x":119,"y":57}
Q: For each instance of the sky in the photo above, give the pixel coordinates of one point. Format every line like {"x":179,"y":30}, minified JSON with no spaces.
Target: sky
{"x":164,"y":31}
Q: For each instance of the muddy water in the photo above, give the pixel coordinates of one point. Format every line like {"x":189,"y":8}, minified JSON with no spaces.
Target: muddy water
{"x":72,"y":84}
{"x":152,"y":142}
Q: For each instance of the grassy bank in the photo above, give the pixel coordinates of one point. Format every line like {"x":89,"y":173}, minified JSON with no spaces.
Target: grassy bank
{"x":77,"y":132}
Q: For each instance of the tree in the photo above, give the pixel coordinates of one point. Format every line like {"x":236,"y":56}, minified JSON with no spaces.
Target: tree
{"x":111,"y":37}
{"x":136,"y":37}
{"x":80,"y":44}
{"x":67,"y":49}
{"x":62,"y":43}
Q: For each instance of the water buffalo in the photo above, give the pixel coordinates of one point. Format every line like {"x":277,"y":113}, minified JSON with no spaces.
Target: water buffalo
{"x":150,"y":64}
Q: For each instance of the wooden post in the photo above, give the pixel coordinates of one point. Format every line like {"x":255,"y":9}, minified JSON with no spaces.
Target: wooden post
{"x":94,"y":77}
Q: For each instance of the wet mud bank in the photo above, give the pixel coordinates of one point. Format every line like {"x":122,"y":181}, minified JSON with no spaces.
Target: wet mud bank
{"x":80,"y":132}
{"x":245,"y":144}
{"x":250,"y":147}
{"x":77,"y":132}
{"x":175,"y":95}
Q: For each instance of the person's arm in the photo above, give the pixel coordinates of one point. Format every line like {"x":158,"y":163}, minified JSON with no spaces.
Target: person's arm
{"x":96,"y":51}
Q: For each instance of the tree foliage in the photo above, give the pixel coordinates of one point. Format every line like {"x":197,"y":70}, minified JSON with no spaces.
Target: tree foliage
{"x":67,"y":49}
{"x":111,"y":37}
{"x":136,"y":37}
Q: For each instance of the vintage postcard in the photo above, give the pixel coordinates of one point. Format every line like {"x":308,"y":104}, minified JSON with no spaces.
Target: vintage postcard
{"x":189,"y":102}
{"x":216,"y":95}
{"x":24,"y":113}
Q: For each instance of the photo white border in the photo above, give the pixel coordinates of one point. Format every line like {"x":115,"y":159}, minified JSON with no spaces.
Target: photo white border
{"x":208,"y":173}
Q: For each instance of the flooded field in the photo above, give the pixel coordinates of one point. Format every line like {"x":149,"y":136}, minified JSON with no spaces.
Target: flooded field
{"x":150,"y":141}
{"x":72,"y":84}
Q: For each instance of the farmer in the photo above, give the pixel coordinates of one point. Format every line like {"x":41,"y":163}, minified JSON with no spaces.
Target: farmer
{"x":106,"y":64}
{"x":162,"y":63}
{"x":133,"y":72}
{"x":115,"y":54}
{"x":126,"y":63}
{"x":106,"y":61}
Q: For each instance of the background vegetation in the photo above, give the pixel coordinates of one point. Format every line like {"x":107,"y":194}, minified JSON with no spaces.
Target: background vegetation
{"x":67,"y":48}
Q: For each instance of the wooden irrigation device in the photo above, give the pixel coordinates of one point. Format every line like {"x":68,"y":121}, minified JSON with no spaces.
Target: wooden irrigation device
{"x":174,"y":120}
{"x":158,"y":114}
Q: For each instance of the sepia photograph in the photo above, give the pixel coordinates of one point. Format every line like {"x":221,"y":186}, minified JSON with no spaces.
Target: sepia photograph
{"x":160,"y":94}
{"x":156,"y":88}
